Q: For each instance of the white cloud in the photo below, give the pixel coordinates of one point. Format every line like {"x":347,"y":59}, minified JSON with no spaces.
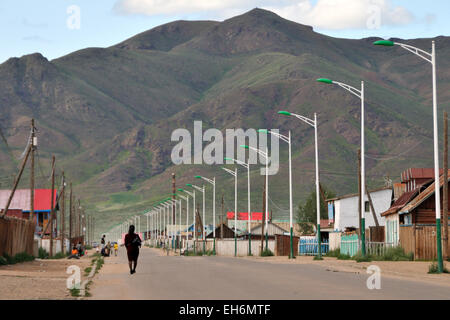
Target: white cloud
{"x":323,"y":14}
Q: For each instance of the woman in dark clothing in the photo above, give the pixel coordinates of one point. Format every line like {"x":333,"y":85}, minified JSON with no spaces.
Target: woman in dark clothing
{"x":132,"y":243}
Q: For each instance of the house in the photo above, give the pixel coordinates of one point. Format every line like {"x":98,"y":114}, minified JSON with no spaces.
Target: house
{"x":242,"y":220}
{"x":21,"y":205}
{"x":411,"y":220}
{"x":228,"y":233}
{"x":343,"y":212}
{"x":272,"y":230}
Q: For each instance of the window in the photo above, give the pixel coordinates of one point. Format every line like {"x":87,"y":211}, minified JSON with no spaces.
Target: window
{"x":367,"y":206}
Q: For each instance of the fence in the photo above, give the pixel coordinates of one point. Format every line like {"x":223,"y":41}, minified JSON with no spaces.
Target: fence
{"x":378,"y":248}
{"x":420,"y":240}
{"x":349,"y":244}
{"x":283,"y":245}
{"x":16,"y":236}
{"x":309,"y":247}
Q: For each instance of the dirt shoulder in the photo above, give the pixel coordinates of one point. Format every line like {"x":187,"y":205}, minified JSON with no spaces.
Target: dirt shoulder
{"x":39,"y":279}
{"x":406,"y":270}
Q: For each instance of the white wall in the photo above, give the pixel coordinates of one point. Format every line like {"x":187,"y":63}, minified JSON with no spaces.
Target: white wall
{"x":45,"y":243}
{"x":392,"y":227}
{"x":346,"y":210}
{"x":334,"y":241}
{"x":225,"y":247}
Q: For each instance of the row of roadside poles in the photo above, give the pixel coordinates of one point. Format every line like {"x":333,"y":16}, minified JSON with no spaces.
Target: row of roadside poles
{"x":165,"y":204}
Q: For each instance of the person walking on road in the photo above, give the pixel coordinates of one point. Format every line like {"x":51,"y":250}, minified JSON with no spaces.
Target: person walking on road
{"x":132,"y":243}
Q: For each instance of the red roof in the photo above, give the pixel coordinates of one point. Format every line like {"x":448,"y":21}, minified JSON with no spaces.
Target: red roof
{"x":419,"y":173}
{"x":21,"y":199}
{"x":256,"y":216}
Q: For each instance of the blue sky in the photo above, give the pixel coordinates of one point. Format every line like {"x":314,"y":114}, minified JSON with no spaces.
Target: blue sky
{"x":42,"y":26}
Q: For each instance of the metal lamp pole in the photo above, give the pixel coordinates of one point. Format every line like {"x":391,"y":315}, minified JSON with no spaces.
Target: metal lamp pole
{"x":265,"y":155}
{"x":213,"y":182}
{"x":234,"y":174}
{"x":431,"y":58}
{"x":194,"y":230}
{"x":360,"y":95}
{"x":192,"y":194}
{"x":288,"y":140}
{"x":202,"y":190}
{"x":247,"y":166}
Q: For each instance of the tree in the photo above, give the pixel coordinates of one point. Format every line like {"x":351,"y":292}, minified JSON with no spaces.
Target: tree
{"x":307,"y":211}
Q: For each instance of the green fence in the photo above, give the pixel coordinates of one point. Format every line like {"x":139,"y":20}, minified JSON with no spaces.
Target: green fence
{"x":349,"y":244}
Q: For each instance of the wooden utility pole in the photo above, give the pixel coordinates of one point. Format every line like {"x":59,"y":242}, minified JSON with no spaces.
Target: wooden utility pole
{"x":174,"y":191}
{"x":63,"y":212}
{"x":16,"y":182}
{"x":51,"y":206}
{"x":445,"y":191}
{"x":33,"y":146}
{"x":264,"y":216}
{"x":70,"y":216}
{"x":221,"y":219}
{"x":359,"y":194}
{"x":374,"y":214}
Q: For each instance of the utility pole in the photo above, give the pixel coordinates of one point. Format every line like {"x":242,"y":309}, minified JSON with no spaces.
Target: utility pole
{"x":264,"y":217}
{"x":445,"y":190}
{"x":51,"y":206}
{"x":70,"y":216}
{"x":221,"y":220}
{"x":63,"y":212}
{"x":359,"y":195}
{"x":33,"y":143}
{"x":174,"y":190}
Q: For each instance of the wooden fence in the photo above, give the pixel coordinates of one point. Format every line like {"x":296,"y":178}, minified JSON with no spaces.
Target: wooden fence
{"x":420,"y":240}
{"x":283,"y":245}
{"x":16,"y":236}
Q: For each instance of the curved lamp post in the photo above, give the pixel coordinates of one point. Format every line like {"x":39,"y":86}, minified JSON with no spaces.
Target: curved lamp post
{"x":288,"y":140}
{"x":213,"y":182}
{"x":202,"y":190}
{"x":431,"y":58}
{"x":234,"y":174}
{"x":360,"y":95}
{"x":192,"y":194}
{"x":265,"y":155}
{"x":247,"y":166}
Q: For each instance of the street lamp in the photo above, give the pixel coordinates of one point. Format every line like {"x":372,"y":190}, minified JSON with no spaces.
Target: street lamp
{"x":431,"y":58}
{"x":192,"y":194}
{"x":187,"y":209}
{"x":288,"y":140}
{"x":247,"y":166}
{"x":265,"y":155}
{"x":202,"y":190}
{"x":360,"y":95}
{"x":213,"y":182}
{"x":234,"y":174}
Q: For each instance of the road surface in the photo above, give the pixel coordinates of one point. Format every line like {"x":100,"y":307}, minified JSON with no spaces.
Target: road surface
{"x":226,"y":278}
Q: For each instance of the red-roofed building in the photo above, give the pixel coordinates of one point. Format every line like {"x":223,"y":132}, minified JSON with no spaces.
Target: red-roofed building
{"x":20,"y":206}
{"x":256,"y":216}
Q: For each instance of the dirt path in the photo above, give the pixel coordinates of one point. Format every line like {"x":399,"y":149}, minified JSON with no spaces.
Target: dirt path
{"x":38,"y":279}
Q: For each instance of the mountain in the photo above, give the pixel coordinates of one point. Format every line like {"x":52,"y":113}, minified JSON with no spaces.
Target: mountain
{"x":108,"y":113}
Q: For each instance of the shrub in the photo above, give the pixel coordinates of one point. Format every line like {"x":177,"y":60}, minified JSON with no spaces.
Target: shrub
{"x":59,"y":255}
{"x":434,"y":268}
{"x":358,"y":257}
{"x":343,"y":256}
{"x":9,"y":259}
{"x":43,"y":254}
{"x":334,"y":253}
{"x":23,"y":257}
{"x":3,"y":261}
{"x":267,"y":253}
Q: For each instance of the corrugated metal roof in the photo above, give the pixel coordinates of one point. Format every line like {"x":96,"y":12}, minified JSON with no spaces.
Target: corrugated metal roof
{"x":272,"y":229}
{"x":21,"y":199}
{"x":401,"y":202}
{"x":356,"y":194}
{"x":417,"y":201}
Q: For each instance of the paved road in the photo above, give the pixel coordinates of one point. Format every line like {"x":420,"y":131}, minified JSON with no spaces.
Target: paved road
{"x":227,"y":278}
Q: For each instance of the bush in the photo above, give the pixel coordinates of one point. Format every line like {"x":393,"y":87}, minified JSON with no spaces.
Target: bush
{"x":358,"y":257}
{"x":59,"y":255}
{"x":333,"y":253}
{"x":43,"y":254}
{"x":23,"y":257}
{"x":344,"y":257}
{"x":3,"y":261}
{"x":267,"y":253}
{"x":397,"y":254}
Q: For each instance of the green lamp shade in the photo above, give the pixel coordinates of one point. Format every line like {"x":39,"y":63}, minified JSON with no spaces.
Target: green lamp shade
{"x":244,"y":146}
{"x":180,"y":190}
{"x":285,"y":113}
{"x":263,"y":131}
{"x":324,"y":80}
{"x":189,"y":185}
{"x":198,"y":177}
{"x":385,"y":43}
{"x":227,"y":159}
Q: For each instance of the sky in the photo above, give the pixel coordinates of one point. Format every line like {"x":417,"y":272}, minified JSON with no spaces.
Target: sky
{"x":58,"y":27}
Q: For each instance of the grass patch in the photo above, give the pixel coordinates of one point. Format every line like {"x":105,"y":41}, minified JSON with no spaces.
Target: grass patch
{"x":59,"y":255}
{"x":344,"y":257}
{"x":18,"y":258}
{"x":43,"y":254}
{"x":267,"y":253}
{"x":74,"y":292}
{"x":317,"y":258}
{"x":333,"y":253}
{"x":434,"y":268}
{"x":87,"y":271}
